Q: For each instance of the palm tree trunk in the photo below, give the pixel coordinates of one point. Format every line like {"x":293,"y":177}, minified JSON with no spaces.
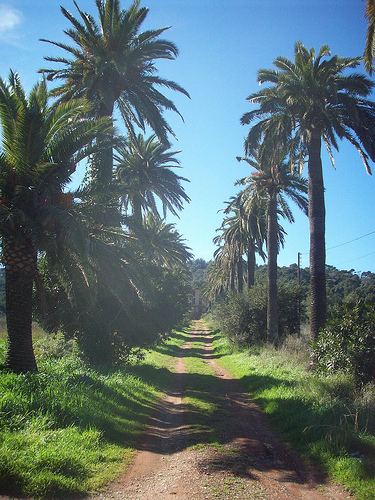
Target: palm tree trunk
{"x":102,"y":164}
{"x":20,"y":266}
{"x":137,"y":209}
{"x":272,"y":249}
{"x":317,"y":236}
{"x":250,"y":263}
{"x":239,"y":271}
{"x":232,"y":277}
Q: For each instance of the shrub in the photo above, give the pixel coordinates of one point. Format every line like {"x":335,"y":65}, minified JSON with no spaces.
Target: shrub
{"x":347,"y":343}
{"x":243,"y":317}
{"x":109,"y":329}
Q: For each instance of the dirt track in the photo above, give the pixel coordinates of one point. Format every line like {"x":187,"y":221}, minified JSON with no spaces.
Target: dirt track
{"x":251,"y":462}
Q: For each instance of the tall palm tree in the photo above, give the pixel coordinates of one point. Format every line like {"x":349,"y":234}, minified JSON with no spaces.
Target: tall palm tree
{"x":40,"y":148}
{"x":215,"y":285}
{"x":312,"y":100}
{"x":112,"y":62}
{"x":231,"y":241}
{"x":222,"y":275}
{"x":143,"y":169}
{"x":274,"y":181}
{"x":369,"y":53}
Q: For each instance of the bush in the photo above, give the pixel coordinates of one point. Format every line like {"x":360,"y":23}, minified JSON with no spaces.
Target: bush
{"x":347,"y":343}
{"x":243,"y":317}
{"x":110,"y":329}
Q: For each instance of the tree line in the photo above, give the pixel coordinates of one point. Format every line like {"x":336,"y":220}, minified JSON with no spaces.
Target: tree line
{"x":94,"y":259}
{"x":99,"y":263}
{"x":343,"y":286}
{"x":312,"y":100}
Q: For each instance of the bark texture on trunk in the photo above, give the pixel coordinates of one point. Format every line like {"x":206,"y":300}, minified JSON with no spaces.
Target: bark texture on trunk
{"x":317,"y":236}
{"x":239,"y":271}
{"x":20,"y":265}
{"x":102,"y":165}
{"x":250,"y":264}
{"x":232,"y":277}
{"x":272,"y":311}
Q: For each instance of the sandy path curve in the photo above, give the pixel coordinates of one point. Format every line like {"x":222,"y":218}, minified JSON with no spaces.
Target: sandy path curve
{"x":250,"y":464}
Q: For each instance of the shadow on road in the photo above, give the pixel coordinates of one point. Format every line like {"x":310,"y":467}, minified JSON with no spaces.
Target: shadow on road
{"x":231,"y":418}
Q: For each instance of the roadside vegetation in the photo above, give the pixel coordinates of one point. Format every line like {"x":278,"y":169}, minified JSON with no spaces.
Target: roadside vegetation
{"x":70,"y":428}
{"x":101,"y":270}
{"x":328,"y":417}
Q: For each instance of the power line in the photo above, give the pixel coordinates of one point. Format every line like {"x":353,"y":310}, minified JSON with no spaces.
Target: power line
{"x":346,"y":243}
{"x":357,"y":258}
{"x":351,"y":241}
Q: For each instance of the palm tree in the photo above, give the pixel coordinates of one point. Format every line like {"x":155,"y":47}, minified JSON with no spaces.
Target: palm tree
{"x":252,"y":224}
{"x":92,"y":284}
{"x":231,"y":243}
{"x":311,"y":99}
{"x":143,"y":168}
{"x":113,"y":63}
{"x":274,"y":181}
{"x":221,"y":276}
{"x":162,"y":244}
{"x":369,"y":53}
{"x":40,"y":148}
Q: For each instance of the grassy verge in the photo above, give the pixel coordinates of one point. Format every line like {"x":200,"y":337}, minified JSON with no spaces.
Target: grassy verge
{"x":327,"y":419}
{"x":69,"y":429}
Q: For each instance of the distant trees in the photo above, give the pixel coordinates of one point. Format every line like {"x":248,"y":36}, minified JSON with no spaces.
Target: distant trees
{"x":198,"y":269}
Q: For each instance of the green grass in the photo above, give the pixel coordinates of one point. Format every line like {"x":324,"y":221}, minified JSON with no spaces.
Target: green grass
{"x":69,"y":429}
{"x":327,"y":419}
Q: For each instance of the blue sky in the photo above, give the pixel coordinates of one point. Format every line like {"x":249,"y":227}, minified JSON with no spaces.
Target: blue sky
{"x":223,"y":43}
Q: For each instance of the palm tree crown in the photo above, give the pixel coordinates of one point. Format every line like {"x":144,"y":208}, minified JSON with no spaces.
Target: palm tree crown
{"x":161,"y":243}
{"x":144,"y":174}
{"x":114,"y":62}
{"x":312,"y":97}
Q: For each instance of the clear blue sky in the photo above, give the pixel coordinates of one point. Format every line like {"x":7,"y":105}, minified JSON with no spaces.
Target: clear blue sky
{"x":222,"y":45}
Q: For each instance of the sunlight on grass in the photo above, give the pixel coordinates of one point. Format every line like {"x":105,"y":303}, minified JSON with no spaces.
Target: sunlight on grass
{"x":69,"y":428}
{"x":325,"y":418}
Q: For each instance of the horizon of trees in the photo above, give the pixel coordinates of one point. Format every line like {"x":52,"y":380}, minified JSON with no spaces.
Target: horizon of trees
{"x":343,"y":285}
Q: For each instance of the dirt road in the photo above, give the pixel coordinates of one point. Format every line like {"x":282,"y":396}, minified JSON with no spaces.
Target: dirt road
{"x":249,"y":463}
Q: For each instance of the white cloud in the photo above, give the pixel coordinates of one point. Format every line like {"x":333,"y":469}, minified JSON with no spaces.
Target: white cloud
{"x":10,"y":19}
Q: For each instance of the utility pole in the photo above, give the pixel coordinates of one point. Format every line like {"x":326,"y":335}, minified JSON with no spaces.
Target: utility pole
{"x":299,"y":300}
